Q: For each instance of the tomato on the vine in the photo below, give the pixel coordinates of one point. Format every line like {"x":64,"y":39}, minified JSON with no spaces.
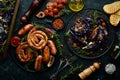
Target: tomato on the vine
{"x":46,"y":11}
{"x":55,"y":10}
{"x":15,"y":41}
{"x":58,"y":1}
{"x":60,"y":6}
{"x":49,"y":4}
{"x":55,"y":4}
{"x":64,"y":2}
{"x":51,"y":13}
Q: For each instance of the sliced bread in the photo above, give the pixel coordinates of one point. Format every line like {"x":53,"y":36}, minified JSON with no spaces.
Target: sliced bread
{"x":114,"y":19}
{"x":112,"y":7}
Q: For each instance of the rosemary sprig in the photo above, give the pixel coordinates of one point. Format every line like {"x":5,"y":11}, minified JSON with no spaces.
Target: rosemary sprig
{"x":72,"y":71}
{"x":68,"y":33}
{"x":58,"y":43}
{"x":65,"y":11}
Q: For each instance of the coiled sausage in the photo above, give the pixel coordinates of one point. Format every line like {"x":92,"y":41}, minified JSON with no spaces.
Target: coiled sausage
{"x":23,"y":52}
{"x":37,"y":39}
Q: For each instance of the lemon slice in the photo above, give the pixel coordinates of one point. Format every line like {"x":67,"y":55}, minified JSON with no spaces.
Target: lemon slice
{"x":76,"y":6}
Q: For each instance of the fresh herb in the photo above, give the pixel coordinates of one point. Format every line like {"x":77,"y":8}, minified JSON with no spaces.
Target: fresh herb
{"x":58,"y":43}
{"x":7,"y":5}
{"x":81,"y":51}
{"x":33,"y":51}
{"x":24,"y":38}
{"x":72,"y":71}
{"x":65,"y":11}
{"x":68,"y":33}
{"x":38,"y":26}
{"x":27,"y":66}
{"x":2,"y":46}
{"x":95,"y":14}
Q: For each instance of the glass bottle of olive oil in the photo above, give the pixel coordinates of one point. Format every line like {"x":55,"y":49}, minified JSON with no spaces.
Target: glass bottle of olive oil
{"x":76,"y":5}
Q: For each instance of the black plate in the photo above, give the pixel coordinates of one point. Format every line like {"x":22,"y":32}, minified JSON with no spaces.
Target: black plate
{"x":31,"y":63}
{"x":105,"y":45}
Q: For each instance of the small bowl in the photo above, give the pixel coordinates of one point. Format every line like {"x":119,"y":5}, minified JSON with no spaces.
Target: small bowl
{"x":58,"y":23}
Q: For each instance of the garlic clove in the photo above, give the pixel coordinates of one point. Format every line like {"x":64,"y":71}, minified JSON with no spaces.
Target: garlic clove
{"x":51,"y":61}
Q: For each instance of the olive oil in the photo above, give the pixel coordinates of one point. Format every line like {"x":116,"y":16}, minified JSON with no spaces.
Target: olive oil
{"x":76,"y":5}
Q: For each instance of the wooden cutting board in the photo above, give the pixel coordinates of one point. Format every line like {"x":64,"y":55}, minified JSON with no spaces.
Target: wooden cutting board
{"x":5,"y":53}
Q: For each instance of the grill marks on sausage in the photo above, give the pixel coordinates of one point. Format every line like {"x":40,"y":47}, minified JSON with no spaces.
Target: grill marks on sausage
{"x":37,"y":39}
{"x":23,"y":52}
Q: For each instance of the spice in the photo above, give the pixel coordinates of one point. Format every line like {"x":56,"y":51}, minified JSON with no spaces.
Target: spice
{"x":110,"y":68}
{"x":58,"y":23}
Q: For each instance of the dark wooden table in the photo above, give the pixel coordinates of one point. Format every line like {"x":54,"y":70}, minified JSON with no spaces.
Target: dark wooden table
{"x":9,"y":70}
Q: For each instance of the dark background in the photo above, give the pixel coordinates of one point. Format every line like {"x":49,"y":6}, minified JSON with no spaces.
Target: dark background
{"x":9,"y":69}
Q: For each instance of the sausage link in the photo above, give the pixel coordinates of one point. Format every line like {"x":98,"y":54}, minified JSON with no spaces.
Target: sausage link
{"x":52,"y":46}
{"x":38,"y":63}
{"x":25,"y":29}
{"x":46,"y":54}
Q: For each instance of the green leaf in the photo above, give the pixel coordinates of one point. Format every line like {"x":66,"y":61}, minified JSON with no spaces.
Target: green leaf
{"x":65,"y":11}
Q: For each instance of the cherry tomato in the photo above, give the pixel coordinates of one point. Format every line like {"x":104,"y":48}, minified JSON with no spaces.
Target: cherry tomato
{"x":49,"y":4}
{"x":58,"y":1}
{"x":49,"y":8}
{"x":51,"y":13}
{"x":15,"y":41}
{"x":55,"y":4}
{"x":46,"y":11}
{"x":64,"y":1}
{"x":60,"y":6}
{"x":55,"y":10}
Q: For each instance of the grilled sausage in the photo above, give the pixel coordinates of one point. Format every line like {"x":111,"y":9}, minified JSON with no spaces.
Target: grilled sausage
{"x":38,"y":63}
{"x":25,"y":29}
{"x":46,"y":54}
{"x":52,"y":46}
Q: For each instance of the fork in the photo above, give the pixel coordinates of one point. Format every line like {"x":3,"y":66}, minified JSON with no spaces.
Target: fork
{"x":68,"y":63}
{"x":62,"y":60}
